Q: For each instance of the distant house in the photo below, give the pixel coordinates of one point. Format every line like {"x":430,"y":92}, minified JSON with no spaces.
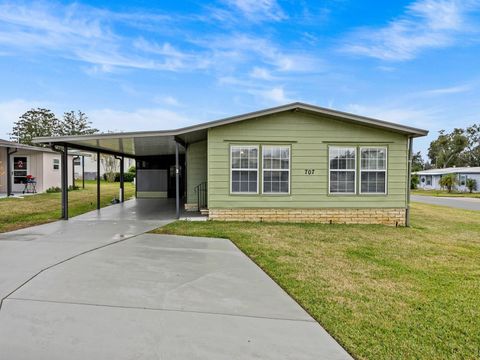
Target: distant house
{"x":21,"y":162}
{"x":430,"y":179}
{"x":90,"y":166}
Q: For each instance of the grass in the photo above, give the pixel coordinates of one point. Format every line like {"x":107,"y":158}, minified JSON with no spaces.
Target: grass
{"x":445,"y":193}
{"x":17,"y":213}
{"x":382,"y":292}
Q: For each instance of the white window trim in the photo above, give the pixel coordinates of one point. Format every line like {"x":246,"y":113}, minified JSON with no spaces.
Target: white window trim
{"x":288,"y":170}
{"x":241,"y":169}
{"x":371,"y":170}
{"x":354,"y":171}
{"x":53,"y":164}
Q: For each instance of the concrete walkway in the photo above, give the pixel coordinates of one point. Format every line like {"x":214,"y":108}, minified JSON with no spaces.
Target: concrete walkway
{"x":456,"y":202}
{"x":96,"y":287}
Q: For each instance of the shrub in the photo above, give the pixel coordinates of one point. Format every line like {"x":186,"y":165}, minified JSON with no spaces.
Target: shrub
{"x":448,"y":181}
{"x":132,"y":169}
{"x":471,"y":185}
{"x":53,"y":189}
{"x":414,"y":181}
{"x":73,"y":187}
{"x":127,"y":177}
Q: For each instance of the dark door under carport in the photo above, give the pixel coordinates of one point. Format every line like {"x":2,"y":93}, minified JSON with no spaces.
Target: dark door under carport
{"x":156,"y":175}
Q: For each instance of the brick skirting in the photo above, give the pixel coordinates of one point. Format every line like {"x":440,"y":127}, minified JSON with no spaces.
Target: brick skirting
{"x":387,"y":216}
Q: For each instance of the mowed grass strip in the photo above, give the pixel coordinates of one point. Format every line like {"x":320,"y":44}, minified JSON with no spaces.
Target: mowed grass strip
{"x":445,"y":193}
{"x":382,"y":292}
{"x":17,"y":213}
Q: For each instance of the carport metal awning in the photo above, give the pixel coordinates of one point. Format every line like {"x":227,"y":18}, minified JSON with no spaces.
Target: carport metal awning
{"x":134,"y":144}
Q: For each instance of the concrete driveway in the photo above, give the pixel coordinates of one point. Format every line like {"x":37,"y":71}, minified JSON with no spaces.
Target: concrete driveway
{"x":456,"y":202}
{"x":97,"y":287}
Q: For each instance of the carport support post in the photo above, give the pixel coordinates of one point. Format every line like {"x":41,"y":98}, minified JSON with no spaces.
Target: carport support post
{"x":73,"y":171}
{"x":122,"y":183}
{"x":98,"y":180}
{"x":83,"y":172}
{"x":177,"y":180}
{"x":65,"y":183}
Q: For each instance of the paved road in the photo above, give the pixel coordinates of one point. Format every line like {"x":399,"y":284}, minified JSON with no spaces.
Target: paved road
{"x":97,"y":287}
{"x":462,"y":203}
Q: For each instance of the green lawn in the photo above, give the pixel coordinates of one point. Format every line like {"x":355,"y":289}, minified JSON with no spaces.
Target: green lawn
{"x":17,"y":213}
{"x":382,"y":292}
{"x":444,"y":193}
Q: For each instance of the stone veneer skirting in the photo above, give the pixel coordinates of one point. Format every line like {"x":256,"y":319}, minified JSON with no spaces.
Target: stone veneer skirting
{"x":386,"y":216}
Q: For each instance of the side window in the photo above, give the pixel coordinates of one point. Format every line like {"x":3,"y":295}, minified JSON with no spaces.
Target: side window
{"x":56,"y":164}
{"x":429,"y":180}
{"x":244,"y":169}
{"x":342,"y":170}
{"x":463,"y":180}
{"x":373,"y":170}
{"x":276,"y":169}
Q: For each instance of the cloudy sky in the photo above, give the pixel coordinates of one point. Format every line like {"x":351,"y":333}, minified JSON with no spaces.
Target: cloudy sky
{"x":132,"y":65}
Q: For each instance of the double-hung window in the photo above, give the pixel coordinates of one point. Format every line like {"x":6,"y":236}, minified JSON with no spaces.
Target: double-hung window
{"x":276,"y":169}
{"x":342,"y":169}
{"x":244,"y":169}
{"x":373,"y":170}
{"x":56,"y":164}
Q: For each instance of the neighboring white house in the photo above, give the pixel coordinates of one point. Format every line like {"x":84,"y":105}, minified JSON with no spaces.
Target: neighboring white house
{"x":430,"y":179}
{"x":41,"y":163}
{"x":91,"y":165}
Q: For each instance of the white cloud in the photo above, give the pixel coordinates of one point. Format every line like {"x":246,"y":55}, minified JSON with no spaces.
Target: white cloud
{"x":258,"y":10}
{"x":425,"y":118}
{"x":261,"y":73}
{"x":137,"y":120}
{"x":447,"y":90}
{"x":167,"y":100}
{"x":274,"y":95}
{"x":426,"y":24}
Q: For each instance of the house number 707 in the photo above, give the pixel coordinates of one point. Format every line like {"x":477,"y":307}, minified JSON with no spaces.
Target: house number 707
{"x":309,"y":171}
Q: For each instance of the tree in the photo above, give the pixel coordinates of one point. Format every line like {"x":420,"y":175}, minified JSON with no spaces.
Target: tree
{"x":76,"y":124}
{"x":109,"y":164}
{"x":448,"y":181}
{"x":447,"y":150}
{"x":34,"y":123}
{"x":417,"y":162}
{"x":472,"y":154}
{"x":471,"y":185}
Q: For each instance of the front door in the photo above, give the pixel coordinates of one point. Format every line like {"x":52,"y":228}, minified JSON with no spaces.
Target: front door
{"x":20,"y":170}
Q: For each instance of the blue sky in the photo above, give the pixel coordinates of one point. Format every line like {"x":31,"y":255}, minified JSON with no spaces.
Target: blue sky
{"x":142,"y":65}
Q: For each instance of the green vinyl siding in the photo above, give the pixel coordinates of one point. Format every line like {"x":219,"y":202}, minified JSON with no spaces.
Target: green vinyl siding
{"x":309,"y":137}
{"x":196,"y":156}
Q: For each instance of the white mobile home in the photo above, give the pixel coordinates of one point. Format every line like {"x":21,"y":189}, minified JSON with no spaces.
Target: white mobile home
{"x":25,"y":168}
{"x":430,"y":179}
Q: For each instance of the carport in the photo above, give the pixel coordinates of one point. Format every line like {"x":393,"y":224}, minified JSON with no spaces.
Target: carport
{"x":159,"y":157}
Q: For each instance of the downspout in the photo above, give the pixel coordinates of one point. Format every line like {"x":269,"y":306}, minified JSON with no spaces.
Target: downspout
{"x":409,"y":180}
{"x":9,"y":171}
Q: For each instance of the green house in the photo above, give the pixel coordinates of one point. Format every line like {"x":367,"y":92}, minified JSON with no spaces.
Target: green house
{"x":295,"y":162}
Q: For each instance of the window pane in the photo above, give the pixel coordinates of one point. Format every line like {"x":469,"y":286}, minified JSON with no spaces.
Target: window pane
{"x":373,"y":158}
{"x":342,"y":181}
{"x":342,"y":158}
{"x":244,"y":181}
{"x":373,"y":182}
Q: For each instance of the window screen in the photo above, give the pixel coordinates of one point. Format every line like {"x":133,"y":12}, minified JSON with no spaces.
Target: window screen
{"x":244,"y":169}
{"x":342,"y":165}
{"x":276,"y":169}
{"x":373,"y":170}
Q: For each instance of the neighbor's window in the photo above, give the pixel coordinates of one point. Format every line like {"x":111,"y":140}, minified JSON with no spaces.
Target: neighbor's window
{"x":373,"y":170}
{"x":56,"y":164}
{"x":429,"y":180}
{"x":276,"y":169}
{"x":342,"y":165}
{"x":463,"y":180}
{"x":244,"y":169}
